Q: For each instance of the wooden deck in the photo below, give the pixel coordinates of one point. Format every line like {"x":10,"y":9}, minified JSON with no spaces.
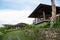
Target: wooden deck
{"x":41,"y":22}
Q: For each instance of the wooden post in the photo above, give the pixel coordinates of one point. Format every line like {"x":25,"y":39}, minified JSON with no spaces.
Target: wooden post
{"x":53,"y":12}
{"x":35,"y":20}
{"x":44,"y":15}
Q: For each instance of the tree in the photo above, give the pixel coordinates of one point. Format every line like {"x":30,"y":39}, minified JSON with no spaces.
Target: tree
{"x":53,"y":12}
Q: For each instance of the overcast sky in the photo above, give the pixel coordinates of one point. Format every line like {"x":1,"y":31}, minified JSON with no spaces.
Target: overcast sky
{"x":16,"y":11}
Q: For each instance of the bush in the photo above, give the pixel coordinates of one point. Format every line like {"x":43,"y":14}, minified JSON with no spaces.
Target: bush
{"x":57,"y":25}
{"x":1,"y":35}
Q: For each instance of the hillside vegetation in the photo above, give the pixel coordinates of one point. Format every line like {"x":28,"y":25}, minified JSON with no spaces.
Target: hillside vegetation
{"x":29,"y":32}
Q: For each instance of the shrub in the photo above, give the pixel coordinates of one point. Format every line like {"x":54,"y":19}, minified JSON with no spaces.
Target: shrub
{"x":1,"y":35}
{"x":57,"y":25}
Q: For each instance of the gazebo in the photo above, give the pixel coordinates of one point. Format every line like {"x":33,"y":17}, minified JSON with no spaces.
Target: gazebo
{"x":43,"y":13}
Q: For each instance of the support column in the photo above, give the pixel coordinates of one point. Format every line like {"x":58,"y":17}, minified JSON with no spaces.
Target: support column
{"x":44,"y":15}
{"x":53,"y":12}
{"x":35,"y":21}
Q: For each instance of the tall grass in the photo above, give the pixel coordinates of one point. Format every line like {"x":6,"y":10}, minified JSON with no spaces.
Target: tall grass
{"x":57,"y":25}
{"x":1,"y":35}
{"x":31,"y":32}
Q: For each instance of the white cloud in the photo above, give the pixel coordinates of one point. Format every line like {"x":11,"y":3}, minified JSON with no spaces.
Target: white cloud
{"x":24,"y":4}
{"x":14,"y":16}
{"x":30,"y":1}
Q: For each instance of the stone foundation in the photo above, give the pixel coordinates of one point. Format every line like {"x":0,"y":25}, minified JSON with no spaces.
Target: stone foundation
{"x":49,"y":34}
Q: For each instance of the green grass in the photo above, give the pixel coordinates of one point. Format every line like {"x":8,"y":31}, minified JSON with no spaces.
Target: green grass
{"x":47,"y":24}
{"x":23,"y":34}
{"x":13,"y":34}
{"x":1,"y":35}
{"x":30,"y":32}
{"x":57,"y":25}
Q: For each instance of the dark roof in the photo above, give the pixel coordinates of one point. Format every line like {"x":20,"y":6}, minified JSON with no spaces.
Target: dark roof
{"x":21,"y":24}
{"x":16,"y":25}
{"x":38,"y":12}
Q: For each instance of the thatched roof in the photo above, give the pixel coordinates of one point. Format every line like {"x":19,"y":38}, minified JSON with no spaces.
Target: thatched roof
{"x":38,"y":12}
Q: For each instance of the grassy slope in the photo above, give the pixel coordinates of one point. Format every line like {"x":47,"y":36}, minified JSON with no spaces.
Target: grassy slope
{"x":1,"y":35}
{"x":21,"y":34}
{"x":26,"y":35}
{"x":57,"y":25}
{"x":47,"y":25}
{"x":13,"y":34}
